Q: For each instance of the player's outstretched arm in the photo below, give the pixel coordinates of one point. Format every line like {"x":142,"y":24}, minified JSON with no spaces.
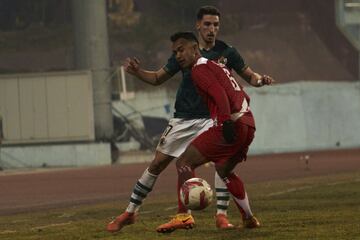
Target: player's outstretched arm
{"x":132,"y":66}
{"x":255,"y":79}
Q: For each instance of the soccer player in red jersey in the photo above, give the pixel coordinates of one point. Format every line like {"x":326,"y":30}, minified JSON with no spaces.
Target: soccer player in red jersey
{"x":227,"y":142}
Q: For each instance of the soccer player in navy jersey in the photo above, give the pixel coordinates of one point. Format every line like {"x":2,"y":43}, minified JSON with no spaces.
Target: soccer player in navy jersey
{"x":190,"y":119}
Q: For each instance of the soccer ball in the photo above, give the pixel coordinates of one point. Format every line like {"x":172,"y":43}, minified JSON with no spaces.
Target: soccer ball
{"x":196,"y":194}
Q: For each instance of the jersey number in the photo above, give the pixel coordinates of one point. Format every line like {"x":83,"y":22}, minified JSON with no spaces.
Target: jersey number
{"x":232,"y":80}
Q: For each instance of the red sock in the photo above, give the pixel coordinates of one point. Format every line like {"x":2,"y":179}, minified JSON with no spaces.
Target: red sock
{"x":184,"y":173}
{"x":235,"y":186}
{"x":237,"y":189}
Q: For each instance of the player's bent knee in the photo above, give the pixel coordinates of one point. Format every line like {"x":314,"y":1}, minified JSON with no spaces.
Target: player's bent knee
{"x":180,"y":163}
{"x":156,"y":167}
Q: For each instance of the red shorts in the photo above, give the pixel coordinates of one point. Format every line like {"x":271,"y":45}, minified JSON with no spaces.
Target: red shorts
{"x":212,"y":145}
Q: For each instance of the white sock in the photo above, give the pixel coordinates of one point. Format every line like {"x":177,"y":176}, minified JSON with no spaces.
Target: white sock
{"x":141,"y":189}
{"x":244,"y":204}
{"x":222,"y":195}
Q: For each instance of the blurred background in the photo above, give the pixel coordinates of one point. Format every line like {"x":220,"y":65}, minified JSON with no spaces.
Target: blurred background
{"x":66,"y":101}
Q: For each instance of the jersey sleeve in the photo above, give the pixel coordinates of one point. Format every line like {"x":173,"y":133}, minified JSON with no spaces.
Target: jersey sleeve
{"x":172,"y":66}
{"x":207,"y":82}
{"x":236,"y":61}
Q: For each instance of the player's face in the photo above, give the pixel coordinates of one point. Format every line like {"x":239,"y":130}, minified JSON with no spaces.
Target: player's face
{"x":185,"y":52}
{"x":208,"y":28}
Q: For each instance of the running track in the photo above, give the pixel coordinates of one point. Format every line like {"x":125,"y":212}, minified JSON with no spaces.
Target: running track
{"x":28,"y":191}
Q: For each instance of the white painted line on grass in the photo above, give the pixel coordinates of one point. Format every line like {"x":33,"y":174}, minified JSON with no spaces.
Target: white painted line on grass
{"x":51,"y":225}
{"x":171,"y":208}
{"x":310,"y":187}
{"x":289,"y":191}
{"x":8,"y":232}
{"x":165,"y":209}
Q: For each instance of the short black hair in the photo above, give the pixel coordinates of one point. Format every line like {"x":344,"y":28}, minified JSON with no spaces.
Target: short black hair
{"x":190,"y":36}
{"x":207,"y":10}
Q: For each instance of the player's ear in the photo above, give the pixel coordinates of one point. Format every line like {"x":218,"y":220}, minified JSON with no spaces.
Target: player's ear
{"x":197,"y":25}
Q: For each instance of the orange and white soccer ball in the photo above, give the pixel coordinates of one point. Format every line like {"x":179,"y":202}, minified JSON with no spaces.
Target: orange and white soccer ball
{"x":196,"y":194}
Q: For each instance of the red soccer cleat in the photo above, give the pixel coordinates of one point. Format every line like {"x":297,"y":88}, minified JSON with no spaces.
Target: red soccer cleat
{"x":120,"y":221}
{"x":222,"y":222}
{"x":251,"y":222}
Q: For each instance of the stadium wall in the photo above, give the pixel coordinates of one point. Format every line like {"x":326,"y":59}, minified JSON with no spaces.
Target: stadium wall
{"x":293,"y":117}
{"x":306,"y":116}
{"x":55,"y":155}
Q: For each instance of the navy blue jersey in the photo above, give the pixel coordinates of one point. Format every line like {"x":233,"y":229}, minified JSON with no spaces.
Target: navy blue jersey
{"x":188,"y":103}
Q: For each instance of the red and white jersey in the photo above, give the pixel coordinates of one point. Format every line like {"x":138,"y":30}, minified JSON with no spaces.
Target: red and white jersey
{"x":224,"y":96}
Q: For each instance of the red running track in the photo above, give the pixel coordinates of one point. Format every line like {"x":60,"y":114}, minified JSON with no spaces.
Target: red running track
{"x":29,"y":191}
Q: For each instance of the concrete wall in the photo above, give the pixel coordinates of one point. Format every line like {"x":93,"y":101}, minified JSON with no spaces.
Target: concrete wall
{"x":299,"y":116}
{"x":291,"y":117}
{"x":306,"y":116}
{"x":65,"y":155}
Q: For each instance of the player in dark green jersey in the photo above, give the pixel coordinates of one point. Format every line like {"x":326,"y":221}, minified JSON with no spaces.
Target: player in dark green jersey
{"x":191,"y":118}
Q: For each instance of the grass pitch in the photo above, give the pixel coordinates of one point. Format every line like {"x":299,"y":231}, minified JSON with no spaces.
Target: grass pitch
{"x":325,"y":207}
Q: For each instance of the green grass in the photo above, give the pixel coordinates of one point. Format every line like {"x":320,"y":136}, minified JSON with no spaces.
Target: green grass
{"x":311,"y":208}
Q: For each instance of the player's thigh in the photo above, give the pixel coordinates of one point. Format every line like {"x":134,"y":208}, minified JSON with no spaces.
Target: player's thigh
{"x":212,"y":145}
{"x":179,"y":133}
{"x":191,"y":157}
{"x":248,"y":134}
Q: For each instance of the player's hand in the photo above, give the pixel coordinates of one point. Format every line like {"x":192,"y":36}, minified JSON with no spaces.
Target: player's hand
{"x":132,"y":65}
{"x":228,"y":130}
{"x":265,"y":80}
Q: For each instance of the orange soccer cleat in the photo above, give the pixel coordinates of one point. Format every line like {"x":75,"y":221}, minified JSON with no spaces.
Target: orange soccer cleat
{"x":251,"y":222}
{"x":120,"y":221}
{"x":180,"y":221}
{"x":222,"y":222}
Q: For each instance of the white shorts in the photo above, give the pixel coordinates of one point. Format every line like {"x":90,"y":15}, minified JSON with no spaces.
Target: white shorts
{"x":179,"y":133}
